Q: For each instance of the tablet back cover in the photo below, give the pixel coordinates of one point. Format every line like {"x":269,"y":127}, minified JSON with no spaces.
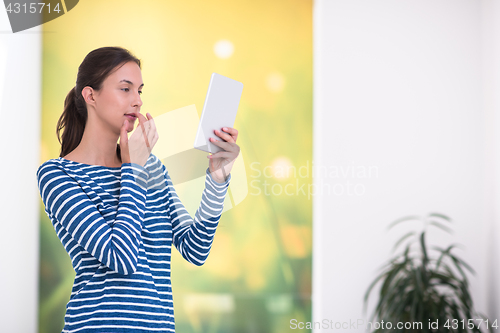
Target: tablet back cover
{"x":220,"y":108}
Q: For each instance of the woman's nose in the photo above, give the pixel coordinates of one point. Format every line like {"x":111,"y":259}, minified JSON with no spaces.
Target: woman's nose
{"x":138,"y":100}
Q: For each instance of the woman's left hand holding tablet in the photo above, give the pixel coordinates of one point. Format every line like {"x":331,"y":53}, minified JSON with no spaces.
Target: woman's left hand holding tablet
{"x":221,"y":163}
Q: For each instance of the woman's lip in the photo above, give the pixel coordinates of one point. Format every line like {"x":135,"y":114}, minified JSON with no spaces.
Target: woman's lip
{"x":131,"y":117}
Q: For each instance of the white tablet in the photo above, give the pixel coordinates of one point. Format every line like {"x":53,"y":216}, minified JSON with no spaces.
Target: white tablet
{"x":219,"y":110}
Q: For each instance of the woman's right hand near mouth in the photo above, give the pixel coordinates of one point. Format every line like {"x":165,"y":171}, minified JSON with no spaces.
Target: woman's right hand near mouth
{"x":138,"y":147}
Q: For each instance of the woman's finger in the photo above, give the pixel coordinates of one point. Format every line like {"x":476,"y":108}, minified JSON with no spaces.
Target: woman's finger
{"x":155,"y":138}
{"x":151,"y":127}
{"x":141,"y":118}
{"x":231,"y":131}
{"x":124,"y":143}
{"x":142,"y":121}
{"x":151,"y":122}
{"x":224,"y":136}
{"x":223,"y":154}
{"x":227,"y":146}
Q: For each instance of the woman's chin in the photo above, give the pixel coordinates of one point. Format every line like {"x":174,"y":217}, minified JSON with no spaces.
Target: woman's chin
{"x":130,"y":127}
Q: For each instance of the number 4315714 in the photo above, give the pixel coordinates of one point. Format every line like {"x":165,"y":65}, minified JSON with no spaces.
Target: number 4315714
{"x":470,"y":323}
{"x":17,"y":7}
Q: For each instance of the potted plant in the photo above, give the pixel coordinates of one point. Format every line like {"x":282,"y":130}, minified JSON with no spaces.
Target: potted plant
{"x":419,"y":287}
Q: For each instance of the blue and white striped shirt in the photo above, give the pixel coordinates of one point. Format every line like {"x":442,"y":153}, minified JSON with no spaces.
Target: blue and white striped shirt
{"x":117,"y":225}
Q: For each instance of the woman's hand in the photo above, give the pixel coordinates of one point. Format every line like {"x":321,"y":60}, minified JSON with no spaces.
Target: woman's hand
{"x":221,"y":163}
{"x":138,"y":147}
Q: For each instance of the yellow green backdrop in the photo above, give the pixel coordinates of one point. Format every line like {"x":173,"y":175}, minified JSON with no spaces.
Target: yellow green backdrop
{"x":258,"y":275}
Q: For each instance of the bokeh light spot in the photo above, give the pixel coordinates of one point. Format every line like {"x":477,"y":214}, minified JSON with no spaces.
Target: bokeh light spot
{"x":275,"y":82}
{"x":223,"y":49}
{"x":281,"y":167}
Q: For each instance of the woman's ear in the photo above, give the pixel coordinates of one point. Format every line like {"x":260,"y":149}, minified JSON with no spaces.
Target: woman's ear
{"x":88,"y":95}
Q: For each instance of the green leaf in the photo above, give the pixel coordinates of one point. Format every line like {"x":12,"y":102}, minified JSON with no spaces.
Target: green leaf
{"x":402,"y":240}
{"x":407,"y":259}
{"x":463,"y":263}
{"x":396,"y":301}
{"x":444,"y":253}
{"x":439,"y":225}
{"x":367,"y":294}
{"x":403,"y":219}
{"x":418,"y":282}
{"x":444,"y":280}
{"x":425,"y":259}
{"x":441,"y":216}
{"x":457,"y":265}
{"x":387,"y":283}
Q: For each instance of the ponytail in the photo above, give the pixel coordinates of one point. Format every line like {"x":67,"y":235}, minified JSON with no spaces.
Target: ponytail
{"x":73,"y":120}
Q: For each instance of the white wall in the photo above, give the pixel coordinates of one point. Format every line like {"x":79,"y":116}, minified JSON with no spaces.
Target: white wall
{"x":20,"y":93}
{"x":401,"y":86}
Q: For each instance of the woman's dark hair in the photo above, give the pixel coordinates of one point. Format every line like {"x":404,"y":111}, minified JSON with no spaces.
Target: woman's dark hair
{"x":93,"y":70}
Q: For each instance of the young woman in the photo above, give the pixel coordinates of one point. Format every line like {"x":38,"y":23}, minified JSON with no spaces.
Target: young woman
{"x":113,"y":205}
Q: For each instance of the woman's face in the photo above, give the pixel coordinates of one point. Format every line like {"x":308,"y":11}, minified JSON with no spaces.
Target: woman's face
{"x":119,"y":95}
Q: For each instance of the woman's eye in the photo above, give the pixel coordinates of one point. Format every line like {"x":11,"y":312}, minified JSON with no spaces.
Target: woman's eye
{"x":140,"y":92}
{"x":125,"y":89}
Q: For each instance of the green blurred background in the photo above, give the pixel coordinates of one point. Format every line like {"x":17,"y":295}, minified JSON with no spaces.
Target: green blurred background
{"x":258,"y":274}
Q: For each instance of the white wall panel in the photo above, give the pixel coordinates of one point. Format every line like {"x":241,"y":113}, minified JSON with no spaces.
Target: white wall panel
{"x":400,"y":88}
{"x":20,"y":107}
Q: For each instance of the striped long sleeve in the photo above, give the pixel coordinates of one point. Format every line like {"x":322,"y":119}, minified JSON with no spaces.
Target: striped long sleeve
{"x":114,"y":243}
{"x":193,"y":237}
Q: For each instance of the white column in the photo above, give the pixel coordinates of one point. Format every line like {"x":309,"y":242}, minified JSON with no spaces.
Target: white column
{"x":20,"y":107}
{"x":318,"y":151}
{"x":490,"y":27}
